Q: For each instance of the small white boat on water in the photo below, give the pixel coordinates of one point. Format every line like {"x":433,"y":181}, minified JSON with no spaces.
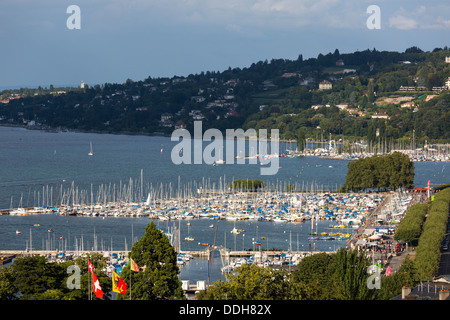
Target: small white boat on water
{"x":90,"y":152}
{"x":18,"y":232}
{"x":234,"y":231}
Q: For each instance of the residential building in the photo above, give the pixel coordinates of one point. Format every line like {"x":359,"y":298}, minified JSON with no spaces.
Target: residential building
{"x":290,"y":75}
{"x":436,"y":289}
{"x":325,"y":85}
{"x":342,"y":106}
{"x":409,"y":104}
{"x":380,"y":116}
{"x":438,"y":89}
{"x":166,"y":117}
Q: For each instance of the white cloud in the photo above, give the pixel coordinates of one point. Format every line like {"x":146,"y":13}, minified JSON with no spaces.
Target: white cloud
{"x":249,"y":13}
{"x":421,"y":17}
{"x":403,"y":23}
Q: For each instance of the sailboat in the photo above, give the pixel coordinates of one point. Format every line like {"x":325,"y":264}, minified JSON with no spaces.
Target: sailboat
{"x":313,"y":233}
{"x":189,"y":237}
{"x":91,"y":153}
{"x":234,"y":231}
{"x":220,"y":161}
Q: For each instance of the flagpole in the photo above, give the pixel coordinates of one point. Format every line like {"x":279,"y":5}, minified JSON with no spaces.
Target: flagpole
{"x":131,"y":263}
{"x":91,"y":284}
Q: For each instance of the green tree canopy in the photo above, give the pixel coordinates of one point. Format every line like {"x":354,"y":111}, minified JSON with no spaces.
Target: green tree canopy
{"x":391,"y":171}
{"x":247,"y":184}
{"x":250,"y":282}
{"x":158,"y":277}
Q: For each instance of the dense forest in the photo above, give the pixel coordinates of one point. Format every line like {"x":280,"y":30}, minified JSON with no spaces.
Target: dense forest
{"x":373,"y":95}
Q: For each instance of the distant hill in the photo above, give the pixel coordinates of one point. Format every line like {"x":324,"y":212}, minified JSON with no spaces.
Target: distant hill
{"x":368,"y":95}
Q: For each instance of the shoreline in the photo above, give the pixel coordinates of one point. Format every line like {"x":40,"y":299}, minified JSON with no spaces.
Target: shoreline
{"x":125,"y":133}
{"x":414,"y":156}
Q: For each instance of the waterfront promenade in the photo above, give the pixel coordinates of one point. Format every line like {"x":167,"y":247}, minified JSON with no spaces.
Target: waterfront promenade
{"x":383,"y":251}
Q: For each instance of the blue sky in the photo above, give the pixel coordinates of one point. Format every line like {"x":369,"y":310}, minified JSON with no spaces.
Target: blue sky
{"x":135,"y":39}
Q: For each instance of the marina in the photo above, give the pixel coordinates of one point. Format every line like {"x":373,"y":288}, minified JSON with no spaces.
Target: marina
{"x":226,"y":230}
{"x":72,"y":203}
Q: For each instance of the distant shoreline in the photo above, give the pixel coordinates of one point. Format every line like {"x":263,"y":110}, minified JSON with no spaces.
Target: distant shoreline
{"x":128,"y":133}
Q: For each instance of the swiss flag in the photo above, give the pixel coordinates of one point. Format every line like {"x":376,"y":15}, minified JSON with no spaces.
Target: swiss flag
{"x":90,"y":267}
{"x":97,"y":289}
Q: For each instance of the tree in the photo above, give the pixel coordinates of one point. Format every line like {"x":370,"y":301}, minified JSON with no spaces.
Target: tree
{"x":391,"y":171}
{"x":314,"y":279}
{"x":158,"y":277}
{"x":301,"y":139}
{"x":250,"y":282}
{"x":34,"y":276}
{"x":8,"y":291}
{"x":391,"y":286}
{"x":247,"y":184}
{"x":351,"y":269}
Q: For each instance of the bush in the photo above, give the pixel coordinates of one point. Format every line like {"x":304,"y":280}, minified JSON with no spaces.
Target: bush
{"x":247,"y":184}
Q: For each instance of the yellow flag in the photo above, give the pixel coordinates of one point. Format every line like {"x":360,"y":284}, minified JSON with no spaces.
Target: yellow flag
{"x":134,"y":266}
{"x":118,"y":284}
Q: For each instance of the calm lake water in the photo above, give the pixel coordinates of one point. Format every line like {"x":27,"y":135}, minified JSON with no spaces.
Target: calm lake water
{"x":32,"y":162}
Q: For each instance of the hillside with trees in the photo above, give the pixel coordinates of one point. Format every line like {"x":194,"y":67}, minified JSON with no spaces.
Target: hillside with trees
{"x":365,"y":95}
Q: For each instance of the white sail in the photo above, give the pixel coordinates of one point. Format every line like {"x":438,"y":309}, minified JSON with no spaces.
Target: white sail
{"x":91,"y":153}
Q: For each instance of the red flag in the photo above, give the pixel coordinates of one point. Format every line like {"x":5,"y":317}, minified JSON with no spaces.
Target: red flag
{"x":97,"y":289}
{"x":133,"y":266}
{"x":118,"y":284}
{"x":90,"y":267}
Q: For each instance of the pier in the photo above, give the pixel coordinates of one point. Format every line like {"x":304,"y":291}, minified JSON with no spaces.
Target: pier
{"x":266,"y":253}
{"x":27,"y":253}
{"x":195,"y":253}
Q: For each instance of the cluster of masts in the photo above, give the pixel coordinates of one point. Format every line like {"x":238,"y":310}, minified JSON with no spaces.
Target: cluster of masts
{"x":135,"y":195}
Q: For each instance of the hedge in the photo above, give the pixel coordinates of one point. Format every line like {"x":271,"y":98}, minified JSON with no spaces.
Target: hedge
{"x":410,"y":226}
{"x":428,"y":252}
